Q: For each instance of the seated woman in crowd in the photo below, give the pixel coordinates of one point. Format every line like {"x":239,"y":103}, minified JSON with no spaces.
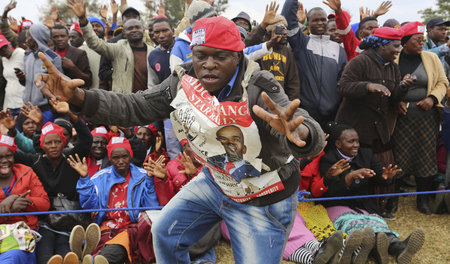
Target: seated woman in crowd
{"x":417,"y":127}
{"x":98,"y":159}
{"x":22,"y":192}
{"x":347,"y":170}
{"x":153,"y":142}
{"x":120,"y":186}
{"x":59,"y":181}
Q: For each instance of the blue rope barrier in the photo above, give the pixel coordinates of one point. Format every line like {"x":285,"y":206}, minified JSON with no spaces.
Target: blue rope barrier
{"x":300,"y":199}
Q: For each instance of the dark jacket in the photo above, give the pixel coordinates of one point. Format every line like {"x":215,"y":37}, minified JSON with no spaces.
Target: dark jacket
{"x":80,"y":59}
{"x":370,"y":114}
{"x":337,"y":186}
{"x":154,"y":104}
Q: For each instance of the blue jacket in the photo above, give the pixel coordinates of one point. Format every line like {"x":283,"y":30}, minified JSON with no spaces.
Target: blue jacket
{"x":320,"y":63}
{"x":94,"y":192}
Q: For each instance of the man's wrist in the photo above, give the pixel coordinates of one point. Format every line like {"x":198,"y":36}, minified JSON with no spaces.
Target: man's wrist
{"x":78,"y":97}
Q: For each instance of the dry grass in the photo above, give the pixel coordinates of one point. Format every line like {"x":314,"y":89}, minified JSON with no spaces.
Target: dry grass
{"x":437,"y":235}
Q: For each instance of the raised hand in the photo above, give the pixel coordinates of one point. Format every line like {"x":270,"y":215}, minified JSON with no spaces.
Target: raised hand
{"x":269,"y":16}
{"x":48,"y":21}
{"x":13,"y":25}
{"x":56,"y":85}
{"x":338,"y":168}
{"x":103,"y":12}
{"x":7,"y":120}
{"x":32,"y":112}
{"x":155,"y":169}
{"x":54,"y":13}
{"x":78,"y":165}
{"x":161,"y":8}
{"x":189,"y":167}
{"x":78,"y":7}
{"x":390,"y":171}
{"x":60,"y":106}
{"x":334,"y":4}
{"x":12,"y":4}
{"x":301,"y":13}
{"x":283,"y":120}
{"x":383,"y":8}
{"x":114,"y":7}
{"x":158,"y":142}
{"x":364,"y":13}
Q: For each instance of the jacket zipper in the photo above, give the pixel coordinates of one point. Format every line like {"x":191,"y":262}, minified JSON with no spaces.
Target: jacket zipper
{"x":132,"y":190}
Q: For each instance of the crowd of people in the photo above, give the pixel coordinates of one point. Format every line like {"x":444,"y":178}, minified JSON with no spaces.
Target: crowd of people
{"x":203,"y":119}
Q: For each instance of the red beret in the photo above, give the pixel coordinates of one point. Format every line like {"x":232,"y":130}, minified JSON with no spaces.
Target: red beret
{"x":8,"y":142}
{"x":217,"y":32}
{"x":412,"y":28}
{"x":102,"y":132}
{"x":118,"y":142}
{"x":388,"y":33}
{"x":51,"y":128}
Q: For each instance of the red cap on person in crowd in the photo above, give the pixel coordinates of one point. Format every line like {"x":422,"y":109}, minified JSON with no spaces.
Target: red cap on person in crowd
{"x":75,"y":26}
{"x":102,"y":132}
{"x":412,"y":28}
{"x":3,"y":41}
{"x":118,"y":142}
{"x":388,"y":33}
{"x":8,"y":142}
{"x":25,"y":23}
{"x":217,"y":32}
{"x":158,"y":16}
{"x":149,"y":126}
{"x":51,"y":128}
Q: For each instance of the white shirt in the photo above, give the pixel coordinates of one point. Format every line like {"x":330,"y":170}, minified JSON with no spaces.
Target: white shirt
{"x":14,"y":90}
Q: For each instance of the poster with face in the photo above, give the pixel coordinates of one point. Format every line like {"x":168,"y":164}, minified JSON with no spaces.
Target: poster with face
{"x":225,"y":139}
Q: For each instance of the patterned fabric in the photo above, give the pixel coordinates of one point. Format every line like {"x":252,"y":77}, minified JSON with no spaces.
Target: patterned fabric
{"x":317,"y":220}
{"x":414,"y":143}
{"x":375,"y":42}
{"x":118,"y":199}
{"x":351,"y":221}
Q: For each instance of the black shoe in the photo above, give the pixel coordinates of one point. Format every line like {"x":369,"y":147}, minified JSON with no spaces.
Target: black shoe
{"x":381,"y":248}
{"x":367,"y":243}
{"x":414,"y":243}
{"x":422,"y":204}
{"x":392,"y":204}
{"x":329,"y":248}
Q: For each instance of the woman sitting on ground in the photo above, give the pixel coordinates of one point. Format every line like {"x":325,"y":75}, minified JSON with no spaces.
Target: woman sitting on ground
{"x":349,"y":170}
{"x":123,"y":185}
{"x":22,"y":192}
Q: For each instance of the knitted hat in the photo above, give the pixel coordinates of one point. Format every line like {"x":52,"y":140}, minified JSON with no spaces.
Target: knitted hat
{"x":279,"y":20}
{"x":102,"y":132}
{"x":8,"y":142}
{"x":412,"y":28}
{"x":199,"y":9}
{"x":51,"y":128}
{"x":75,"y":26}
{"x":244,"y":16}
{"x":217,"y":32}
{"x":150,"y":127}
{"x":95,"y":19}
{"x":118,"y":142}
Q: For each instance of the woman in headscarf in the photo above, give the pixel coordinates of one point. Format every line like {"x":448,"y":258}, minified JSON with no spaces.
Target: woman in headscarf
{"x":417,"y":126}
{"x":371,"y":87}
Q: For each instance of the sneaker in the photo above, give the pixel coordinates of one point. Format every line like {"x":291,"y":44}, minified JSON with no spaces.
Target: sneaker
{"x":329,"y":248}
{"x":76,"y":240}
{"x":93,"y":236}
{"x":352,"y":242}
{"x":367,"y":243}
{"x":381,"y":248}
{"x":71,"y":258}
{"x":56,"y":259}
{"x":414,"y":243}
{"x":99,"y":259}
{"x":88,"y":259}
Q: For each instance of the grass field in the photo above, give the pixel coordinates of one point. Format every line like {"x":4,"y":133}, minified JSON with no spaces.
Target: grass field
{"x":437,"y":235}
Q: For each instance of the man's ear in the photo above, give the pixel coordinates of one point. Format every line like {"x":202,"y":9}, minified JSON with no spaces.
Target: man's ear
{"x":244,"y":150}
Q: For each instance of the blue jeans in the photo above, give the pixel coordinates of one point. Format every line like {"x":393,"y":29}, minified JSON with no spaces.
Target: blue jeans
{"x":258,"y":233}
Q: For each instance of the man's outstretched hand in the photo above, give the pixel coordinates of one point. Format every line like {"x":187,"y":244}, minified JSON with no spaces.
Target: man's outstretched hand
{"x":55,"y":85}
{"x":283,"y":120}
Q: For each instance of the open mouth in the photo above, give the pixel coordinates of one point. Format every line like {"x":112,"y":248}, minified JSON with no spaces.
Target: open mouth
{"x":210,"y":78}
{"x":5,"y":169}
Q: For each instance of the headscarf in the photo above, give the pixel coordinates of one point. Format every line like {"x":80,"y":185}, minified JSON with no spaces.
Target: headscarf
{"x":118,"y":142}
{"x":8,"y":142}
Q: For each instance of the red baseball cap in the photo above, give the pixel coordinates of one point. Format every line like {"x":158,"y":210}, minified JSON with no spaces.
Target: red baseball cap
{"x":217,"y":32}
{"x":388,"y":33}
{"x":412,"y":28}
{"x":3,"y":41}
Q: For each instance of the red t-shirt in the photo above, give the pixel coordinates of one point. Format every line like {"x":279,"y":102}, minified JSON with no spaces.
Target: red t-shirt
{"x":118,"y":199}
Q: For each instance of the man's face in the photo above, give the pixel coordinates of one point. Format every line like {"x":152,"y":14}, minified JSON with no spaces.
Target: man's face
{"x":318,"y":22}
{"x":332,"y":31}
{"x":438,"y":33}
{"x":214,"y":67}
{"x":6,"y":51}
{"x":75,"y":39}
{"x":163,"y":34}
{"x":120,"y":159}
{"x":232,"y":140}
{"x":60,"y":38}
{"x":98,"y":29}
{"x":31,"y":43}
{"x":150,"y":32}
{"x":367,"y":29}
{"x":244,"y":23}
{"x":98,"y":147}
{"x":133,"y":30}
